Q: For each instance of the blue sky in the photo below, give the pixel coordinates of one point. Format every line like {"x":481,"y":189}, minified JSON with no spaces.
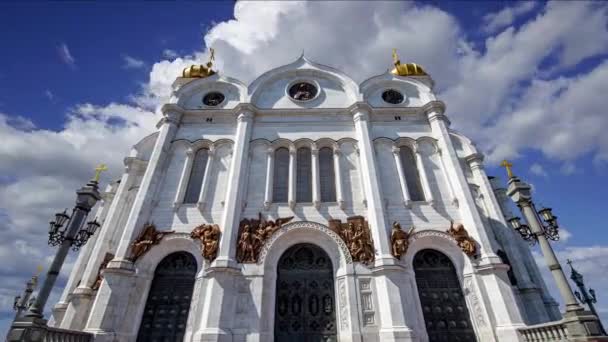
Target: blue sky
{"x":80,"y":83}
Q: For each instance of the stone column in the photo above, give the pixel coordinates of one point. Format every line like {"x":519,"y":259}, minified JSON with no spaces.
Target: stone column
{"x":205,"y":184}
{"x":338,"y":177}
{"x":184,"y":179}
{"x":388,"y":275}
{"x":218,"y":309}
{"x":118,"y":275}
{"x":269,"y":178}
{"x":291,"y":197}
{"x":316,"y":182}
{"x":470,"y":217}
{"x":407,"y":202}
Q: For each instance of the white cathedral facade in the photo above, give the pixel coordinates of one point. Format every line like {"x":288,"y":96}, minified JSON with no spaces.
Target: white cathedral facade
{"x":283,"y":211}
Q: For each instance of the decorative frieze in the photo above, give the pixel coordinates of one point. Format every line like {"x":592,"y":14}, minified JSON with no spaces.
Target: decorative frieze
{"x":209,"y":237}
{"x":343,"y":301}
{"x":399,"y":240}
{"x":464,"y":241}
{"x":367,"y":303}
{"x":356,"y":235}
{"x":253,"y":233}
{"x":148,"y":238}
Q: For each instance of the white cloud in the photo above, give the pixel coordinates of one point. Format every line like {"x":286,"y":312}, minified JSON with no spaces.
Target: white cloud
{"x":170,"y":54}
{"x":538,"y":170}
{"x":65,"y":55}
{"x":505,"y":17}
{"x":49,"y":95}
{"x":132,"y":62}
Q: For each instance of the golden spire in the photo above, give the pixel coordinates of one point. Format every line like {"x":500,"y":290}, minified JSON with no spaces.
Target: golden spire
{"x":98,"y":170}
{"x":201,"y":71}
{"x":507,"y":166}
{"x":407,"y":69}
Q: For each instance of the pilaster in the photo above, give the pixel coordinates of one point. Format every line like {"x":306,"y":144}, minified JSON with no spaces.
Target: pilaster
{"x":269,"y":178}
{"x":338,"y":177}
{"x":316,"y":182}
{"x":407,"y":201}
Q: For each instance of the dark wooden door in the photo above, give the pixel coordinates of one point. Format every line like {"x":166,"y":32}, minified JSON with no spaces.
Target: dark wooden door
{"x":305,"y":304}
{"x":166,"y":311}
{"x":443,"y":305}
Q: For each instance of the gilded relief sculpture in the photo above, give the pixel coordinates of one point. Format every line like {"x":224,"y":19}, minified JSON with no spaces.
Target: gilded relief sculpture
{"x":148,"y":238}
{"x":253,"y":233}
{"x":464,"y":241}
{"x":399,"y":240}
{"x":209,"y":236}
{"x":355,"y":234}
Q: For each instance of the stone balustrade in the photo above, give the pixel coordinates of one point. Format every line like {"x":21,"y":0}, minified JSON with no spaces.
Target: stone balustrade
{"x":545,"y":332}
{"x":62,"y":335}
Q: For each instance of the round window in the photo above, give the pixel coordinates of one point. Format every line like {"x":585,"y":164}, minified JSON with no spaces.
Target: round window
{"x":392,"y":96}
{"x":213,"y":99}
{"x":303,"y":91}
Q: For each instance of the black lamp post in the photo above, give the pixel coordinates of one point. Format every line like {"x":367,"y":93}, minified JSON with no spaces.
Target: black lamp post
{"x":584,"y":296}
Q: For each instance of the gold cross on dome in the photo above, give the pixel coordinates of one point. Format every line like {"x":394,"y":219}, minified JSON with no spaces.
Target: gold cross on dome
{"x":98,"y":170}
{"x":507,"y":166}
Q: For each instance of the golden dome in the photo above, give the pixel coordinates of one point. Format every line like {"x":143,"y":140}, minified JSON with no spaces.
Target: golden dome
{"x":200,"y":71}
{"x":407,"y":69}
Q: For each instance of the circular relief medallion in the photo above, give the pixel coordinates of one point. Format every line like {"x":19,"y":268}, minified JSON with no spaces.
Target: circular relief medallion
{"x":392,"y":96}
{"x":303,"y":91}
{"x":213,"y":99}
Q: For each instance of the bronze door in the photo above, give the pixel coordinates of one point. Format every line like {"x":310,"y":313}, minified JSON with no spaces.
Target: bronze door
{"x":166,"y":311}
{"x":304,"y":308}
{"x":443,"y":304}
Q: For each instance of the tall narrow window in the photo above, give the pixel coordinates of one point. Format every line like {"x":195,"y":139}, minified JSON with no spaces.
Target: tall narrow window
{"x":412,"y":177}
{"x":326,"y":173}
{"x":280,"y":187}
{"x":304,"y":175}
{"x":196,"y":176}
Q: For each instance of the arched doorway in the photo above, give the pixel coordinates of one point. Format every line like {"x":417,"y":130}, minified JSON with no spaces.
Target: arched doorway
{"x":443,"y":304}
{"x":305,"y":305}
{"x":168,"y":302}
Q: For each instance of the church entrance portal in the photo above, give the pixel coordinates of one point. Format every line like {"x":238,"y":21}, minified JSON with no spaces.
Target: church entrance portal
{"x":443,"y":305}
{"x":304,"y":309}
{"x":168,"y":303}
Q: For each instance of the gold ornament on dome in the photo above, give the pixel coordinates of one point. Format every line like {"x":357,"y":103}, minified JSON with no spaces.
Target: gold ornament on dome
{"x":200,"y":71}
{"x":407,"y":69}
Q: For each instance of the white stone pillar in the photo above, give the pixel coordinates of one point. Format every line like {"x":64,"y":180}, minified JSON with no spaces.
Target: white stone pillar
{"x":453,"y":197}
{"x":269,"y":178}
{"x":291,"y":198}
{"x":206,"y":178}
{"x":316,"y":182}
{"x":388,"y":275}
{"x":338,"y":177}
{"x":116,"y":285}
{"x":217,"y":313}
{"x":407,"y":202}
{"x":491,"y":272}
{"x":184,"y":179}
{"x":426,"y":187}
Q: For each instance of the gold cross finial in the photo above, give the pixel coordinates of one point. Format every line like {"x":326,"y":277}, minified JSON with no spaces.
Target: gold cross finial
{"x":395,"y":57}
{"x":98,"y":170}
{"x":39,"y":269}
{"x":507,"y":166}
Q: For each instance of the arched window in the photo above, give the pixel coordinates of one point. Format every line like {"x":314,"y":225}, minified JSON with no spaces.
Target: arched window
{"x":304,"y":175}
{"x":196,"y":176}
{"x":326,"y":174}
{"x":280,"y":186}
{"x":410,"y":170}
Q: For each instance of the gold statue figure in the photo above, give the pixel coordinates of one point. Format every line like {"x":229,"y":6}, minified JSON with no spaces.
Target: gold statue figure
{"x":148,"y":238}
{"x":399,"y":240}
{"x":209,"y":236}
{"x":253,"y":234}
{"x":464,"y":241}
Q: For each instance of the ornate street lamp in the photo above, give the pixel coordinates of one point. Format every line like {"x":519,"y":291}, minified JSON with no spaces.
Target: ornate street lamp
{"x":542,"y":226}
{"x":74,"y":235}
{"x":584,"y":296}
